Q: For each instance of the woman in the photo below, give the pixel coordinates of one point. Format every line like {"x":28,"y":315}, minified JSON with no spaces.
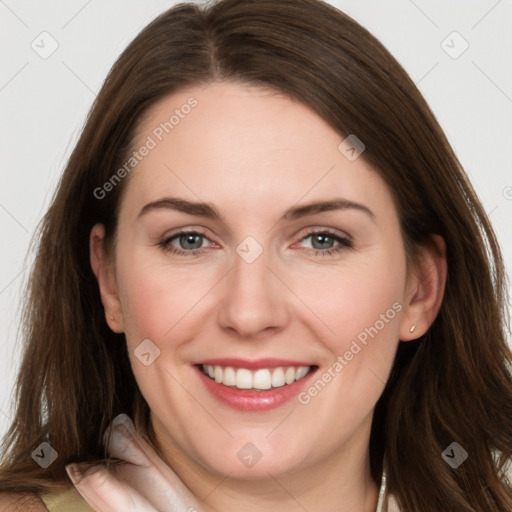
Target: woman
{"x":334,"y":336}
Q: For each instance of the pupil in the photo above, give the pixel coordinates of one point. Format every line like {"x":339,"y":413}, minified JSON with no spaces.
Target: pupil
{"x":321,"y":238}
{"x":190,"y":238}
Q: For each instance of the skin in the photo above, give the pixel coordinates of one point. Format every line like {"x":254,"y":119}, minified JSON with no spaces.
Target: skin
{"x":253,"y":154}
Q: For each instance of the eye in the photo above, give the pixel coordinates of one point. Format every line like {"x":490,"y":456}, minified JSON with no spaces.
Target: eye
{"x":322,"y":243}
{"x":191,"y":243}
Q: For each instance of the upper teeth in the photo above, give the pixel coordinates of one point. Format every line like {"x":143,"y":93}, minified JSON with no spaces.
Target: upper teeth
{"x":264,"y":378}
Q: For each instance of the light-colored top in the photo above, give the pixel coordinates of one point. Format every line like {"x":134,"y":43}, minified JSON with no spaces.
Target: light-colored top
{"x":72,"y":501}
{"x":66,"y":501}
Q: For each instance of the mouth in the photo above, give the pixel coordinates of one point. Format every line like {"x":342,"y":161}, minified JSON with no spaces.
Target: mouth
{"x":256,"y":380}
{"x":254,"y":386}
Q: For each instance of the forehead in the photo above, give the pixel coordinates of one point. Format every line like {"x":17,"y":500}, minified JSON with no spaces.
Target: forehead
{"x":243,"y":147}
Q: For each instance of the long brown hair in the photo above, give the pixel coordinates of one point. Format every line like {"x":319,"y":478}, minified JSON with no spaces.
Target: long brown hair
{"x":453,"y":384}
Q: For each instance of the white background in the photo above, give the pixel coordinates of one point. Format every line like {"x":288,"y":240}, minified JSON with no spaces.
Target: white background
{"x":43,"y":104}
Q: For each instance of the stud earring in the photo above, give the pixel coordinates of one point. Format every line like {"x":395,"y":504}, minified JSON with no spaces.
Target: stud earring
{"x":111,"y":317}
{"x":412,"y":328}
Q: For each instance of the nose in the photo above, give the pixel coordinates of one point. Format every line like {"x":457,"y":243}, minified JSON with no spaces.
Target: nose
{"x":255,"y":302}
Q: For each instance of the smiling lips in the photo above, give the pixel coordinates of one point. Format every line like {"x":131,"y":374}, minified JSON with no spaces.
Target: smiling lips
{"x":264,"y":378}
{"x":254,"y":385}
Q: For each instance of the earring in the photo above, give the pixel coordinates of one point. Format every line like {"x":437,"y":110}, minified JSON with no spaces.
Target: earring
{"x":111,"y":317}
{"x":412,"y":328}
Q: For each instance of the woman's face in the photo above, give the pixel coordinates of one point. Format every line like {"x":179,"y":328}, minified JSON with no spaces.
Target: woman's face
{"x":265,"y":285}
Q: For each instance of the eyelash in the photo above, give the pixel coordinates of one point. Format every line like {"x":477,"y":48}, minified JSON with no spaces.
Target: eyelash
{"x":344,"y":243}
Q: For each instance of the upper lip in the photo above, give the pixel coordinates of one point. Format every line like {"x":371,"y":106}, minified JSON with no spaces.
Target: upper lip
{"x":253,"y":364}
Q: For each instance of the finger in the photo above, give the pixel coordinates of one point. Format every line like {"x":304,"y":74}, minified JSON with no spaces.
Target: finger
{"x":161,"y":491}
{"x":122,"y":446}
{"x":104,"y":493}
{"x":128,"y":445}
{"x":147,"y":471}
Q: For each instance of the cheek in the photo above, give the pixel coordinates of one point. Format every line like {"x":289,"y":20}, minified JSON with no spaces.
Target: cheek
{"x":361,"y":305}
{"x":146,"y":306}
{"x":347,"y":299}
{"x":159,"y":302}
{"x":360,"y":299}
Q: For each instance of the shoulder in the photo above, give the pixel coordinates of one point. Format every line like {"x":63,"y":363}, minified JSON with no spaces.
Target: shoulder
{"x":10,"y":502}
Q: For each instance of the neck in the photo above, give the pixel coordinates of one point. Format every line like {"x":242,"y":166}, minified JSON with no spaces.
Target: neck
{"x":340,"y":483}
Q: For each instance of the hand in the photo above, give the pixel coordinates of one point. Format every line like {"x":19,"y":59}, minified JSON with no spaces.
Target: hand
{"x":144,"y":483}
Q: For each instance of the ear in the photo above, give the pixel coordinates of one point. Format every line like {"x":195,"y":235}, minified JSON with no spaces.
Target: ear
{"x":425,"y":289}
{"x":103,"y":269}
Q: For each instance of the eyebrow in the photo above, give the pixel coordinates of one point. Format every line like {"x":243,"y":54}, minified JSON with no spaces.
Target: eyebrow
{"x":209,"y":211}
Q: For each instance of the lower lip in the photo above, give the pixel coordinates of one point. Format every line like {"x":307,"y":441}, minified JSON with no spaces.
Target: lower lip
{"x":248,"y":400}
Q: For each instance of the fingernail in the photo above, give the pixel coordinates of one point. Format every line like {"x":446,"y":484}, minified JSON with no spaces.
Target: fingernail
{"x":117,"y":430}
{"x":74,"y":473}
{"x":124,"y":420}
{"x":121,"y":425}
{"x":121,"y":431}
